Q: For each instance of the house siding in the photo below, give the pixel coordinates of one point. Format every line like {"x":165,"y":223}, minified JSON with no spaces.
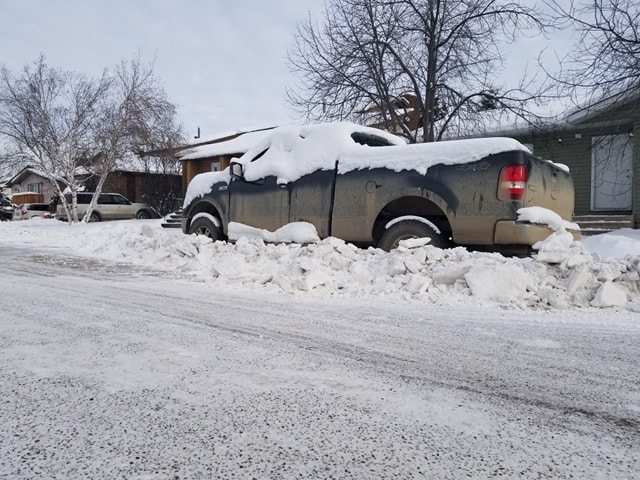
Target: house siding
{"x":573,"y":148}
{"x":193,"y":167}
{"x":158,"y":190}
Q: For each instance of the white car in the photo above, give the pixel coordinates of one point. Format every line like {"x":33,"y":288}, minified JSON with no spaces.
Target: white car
{"x":110,"y":206}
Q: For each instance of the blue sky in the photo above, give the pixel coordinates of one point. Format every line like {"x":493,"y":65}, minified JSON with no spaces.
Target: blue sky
{"x":221,"y":61}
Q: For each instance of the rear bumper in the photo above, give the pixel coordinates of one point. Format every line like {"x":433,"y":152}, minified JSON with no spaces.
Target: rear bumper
{"x":509,"y":232}
{"x":184,"y":223}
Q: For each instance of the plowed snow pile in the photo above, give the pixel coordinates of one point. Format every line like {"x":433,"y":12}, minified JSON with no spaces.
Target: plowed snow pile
{"x":562,"y":275}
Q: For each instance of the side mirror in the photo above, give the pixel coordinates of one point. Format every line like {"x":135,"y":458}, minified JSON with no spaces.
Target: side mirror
{"x":236,"y":170}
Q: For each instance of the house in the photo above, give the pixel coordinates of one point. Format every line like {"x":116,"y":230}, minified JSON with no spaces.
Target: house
{"x":407,"y":115}
{"x":216,"y":152}
{"x":601,"y":146}
{"x":600,"y":143}
{"x":136,"y":182}
{"x":161,"y":190}
{"x":31,"y":180}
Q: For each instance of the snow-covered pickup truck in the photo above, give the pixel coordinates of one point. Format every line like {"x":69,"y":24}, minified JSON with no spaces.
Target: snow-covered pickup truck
{"x":369,"y":187}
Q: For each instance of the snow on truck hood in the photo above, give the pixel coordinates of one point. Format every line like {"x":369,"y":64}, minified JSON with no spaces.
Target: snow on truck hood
{"x":294,"y":151}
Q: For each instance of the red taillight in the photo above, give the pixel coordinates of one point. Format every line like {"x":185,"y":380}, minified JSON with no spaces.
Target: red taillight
{"x":513,"y":182}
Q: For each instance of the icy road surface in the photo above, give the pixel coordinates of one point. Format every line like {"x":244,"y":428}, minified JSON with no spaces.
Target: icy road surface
{"x":111,"y":371}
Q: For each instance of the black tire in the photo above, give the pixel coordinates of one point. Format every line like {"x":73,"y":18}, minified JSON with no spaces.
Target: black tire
{"x":204,"y":226}
{"x":406,"y":229}
{"x":95,"y":217}
{"x":143,"y":215}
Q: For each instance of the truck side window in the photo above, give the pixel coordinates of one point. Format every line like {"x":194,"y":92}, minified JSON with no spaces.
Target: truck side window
{"x":369,"y":139}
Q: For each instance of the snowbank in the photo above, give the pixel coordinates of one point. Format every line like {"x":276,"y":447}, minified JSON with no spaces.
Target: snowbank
{"x":573,"y":278}
{"x":616,"y":244}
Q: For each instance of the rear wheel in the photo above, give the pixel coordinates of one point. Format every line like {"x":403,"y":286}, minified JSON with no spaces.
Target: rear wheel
{"x":204,"y":226}
{"x":407,"y":229}
{"x":143,"y":215}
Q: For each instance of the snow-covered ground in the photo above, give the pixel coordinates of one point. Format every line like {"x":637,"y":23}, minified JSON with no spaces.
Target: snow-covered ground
{"x":602,"y":271}
{"x":164,"y":370}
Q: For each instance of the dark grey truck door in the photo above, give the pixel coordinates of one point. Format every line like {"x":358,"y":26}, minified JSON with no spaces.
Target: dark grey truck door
{"x":311,"y":200}
{"x":263,"y":204}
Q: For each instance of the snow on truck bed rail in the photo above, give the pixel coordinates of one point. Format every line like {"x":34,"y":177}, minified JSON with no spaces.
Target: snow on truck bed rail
{"x":563,"y":275}
{"x":292,"y":152}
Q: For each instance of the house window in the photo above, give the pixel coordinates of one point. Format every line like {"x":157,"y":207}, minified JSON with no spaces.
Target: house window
{"x":35,"y":187}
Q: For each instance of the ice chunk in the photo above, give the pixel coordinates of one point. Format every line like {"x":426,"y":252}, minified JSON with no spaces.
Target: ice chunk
{"x":579,"y":279}
{"x":610,"y":295}
{"x":396,"y":267}
{"x":417,"y":283}
{"x":414,"y":242}
{"x":555,"y":248}
{"x":500,"y":283}
{"x":412,"y":265}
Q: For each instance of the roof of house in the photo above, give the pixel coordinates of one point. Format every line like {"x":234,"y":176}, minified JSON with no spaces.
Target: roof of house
{"x":625,"y":102}
{"x":25,"y":172}
{"x":623,"y":107}
{"x":225,"y":144}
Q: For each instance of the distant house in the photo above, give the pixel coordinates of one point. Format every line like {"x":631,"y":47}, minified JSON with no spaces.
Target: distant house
{"x":407,"y":115}
{"x":138,"y":184}
{"x":31,"y":180}
{"x":158,"y":189}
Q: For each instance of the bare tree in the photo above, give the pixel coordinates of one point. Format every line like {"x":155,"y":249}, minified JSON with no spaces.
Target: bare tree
{"x":48,"y":115}
{"x":61,"y":121}
{"x":135,"y":115}
{"x":605,"y":58}
{"x":443,"y":56}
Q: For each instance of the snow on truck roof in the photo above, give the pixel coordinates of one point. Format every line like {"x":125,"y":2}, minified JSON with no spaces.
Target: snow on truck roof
{"x":294,"y":151}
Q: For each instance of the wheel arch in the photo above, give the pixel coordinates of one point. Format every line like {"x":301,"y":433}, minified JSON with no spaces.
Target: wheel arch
{"x":144,"y":209}
{"x":205,"y":206}
{"x":95,"y":212}
{"x":413,"y":206}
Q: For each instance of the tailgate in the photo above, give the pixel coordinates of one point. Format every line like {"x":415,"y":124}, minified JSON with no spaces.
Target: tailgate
{"x":549,"y":186}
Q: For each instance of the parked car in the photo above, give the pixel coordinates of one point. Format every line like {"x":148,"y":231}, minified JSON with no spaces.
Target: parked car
{"x":110,"y":206}
{"x":6,"y":208}
{"x":370,"y":188}
{"x":31,"y":210}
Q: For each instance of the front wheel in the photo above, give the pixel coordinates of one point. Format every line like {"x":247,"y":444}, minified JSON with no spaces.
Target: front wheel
{"x":407,"y":229}
{"x":94,"y":217}
{"x":204,"y":226}
{"x":143,"y":215}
